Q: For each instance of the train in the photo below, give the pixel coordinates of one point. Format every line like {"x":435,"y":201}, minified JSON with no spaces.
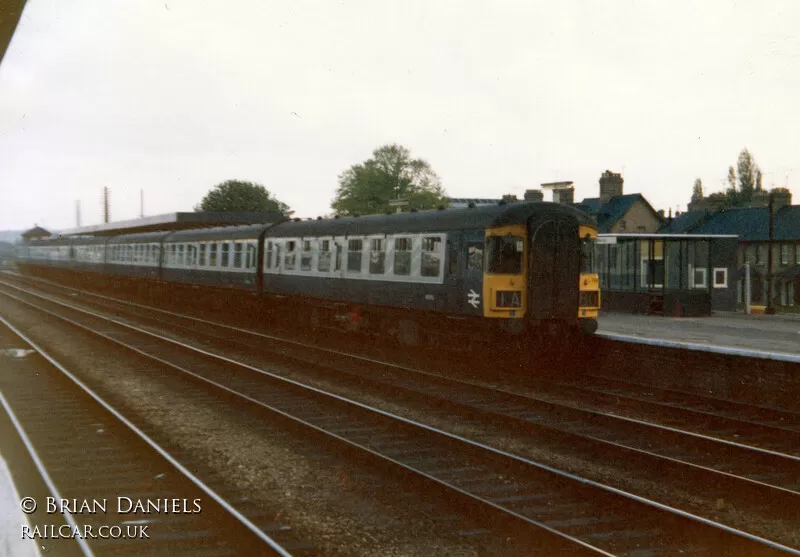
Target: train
{"x":523,"y":269}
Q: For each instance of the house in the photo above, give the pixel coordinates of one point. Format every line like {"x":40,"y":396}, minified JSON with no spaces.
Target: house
{"x":751,"y":225}
{"x":35,"y":233}
{"x":618,"y":213}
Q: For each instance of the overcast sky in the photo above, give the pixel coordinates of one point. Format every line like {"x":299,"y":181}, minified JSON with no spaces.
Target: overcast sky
{"x":498,"y":97}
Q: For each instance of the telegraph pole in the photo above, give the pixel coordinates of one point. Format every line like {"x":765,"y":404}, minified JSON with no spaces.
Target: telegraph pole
{"x":106,"y":208}
{"x":141,"y":203}
{"x":78,"y":213}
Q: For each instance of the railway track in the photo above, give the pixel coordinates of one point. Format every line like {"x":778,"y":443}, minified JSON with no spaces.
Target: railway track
{"x":123,"y":493}
{"x":599,"y":515}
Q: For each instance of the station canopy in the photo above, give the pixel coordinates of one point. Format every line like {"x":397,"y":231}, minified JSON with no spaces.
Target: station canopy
{"x":175,"y":221}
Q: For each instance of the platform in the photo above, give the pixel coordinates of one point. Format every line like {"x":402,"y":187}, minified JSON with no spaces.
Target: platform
{"x":762,"y":336}
{"x":12,"y":519}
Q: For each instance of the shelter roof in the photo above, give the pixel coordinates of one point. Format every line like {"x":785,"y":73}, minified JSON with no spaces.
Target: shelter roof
{"x":175,"y":221}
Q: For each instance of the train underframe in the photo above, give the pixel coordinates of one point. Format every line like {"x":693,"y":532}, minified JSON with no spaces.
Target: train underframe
{"x":403,"y":326}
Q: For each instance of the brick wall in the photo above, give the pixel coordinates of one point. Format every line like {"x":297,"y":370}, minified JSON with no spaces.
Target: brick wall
{"x":769,"y":383}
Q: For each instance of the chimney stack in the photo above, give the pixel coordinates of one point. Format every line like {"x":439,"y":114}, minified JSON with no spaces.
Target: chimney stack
{"x":610,"y":186}
{"x":534,"y":195}
{"x":781,"y":197}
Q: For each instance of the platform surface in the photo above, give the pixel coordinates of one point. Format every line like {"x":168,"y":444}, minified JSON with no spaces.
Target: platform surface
{"x":778,"y":334}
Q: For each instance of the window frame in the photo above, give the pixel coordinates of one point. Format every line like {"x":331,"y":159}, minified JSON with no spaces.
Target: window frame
{"x":348,"y":251}
{"x":724,"y":282}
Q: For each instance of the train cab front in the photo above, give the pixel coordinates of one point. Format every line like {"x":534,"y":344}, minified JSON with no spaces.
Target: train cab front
{"x":504,"y":281}
{"x":589,"y":286}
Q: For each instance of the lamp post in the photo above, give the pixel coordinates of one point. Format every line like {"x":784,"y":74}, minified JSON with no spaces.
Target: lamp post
{"x":770,"y":309}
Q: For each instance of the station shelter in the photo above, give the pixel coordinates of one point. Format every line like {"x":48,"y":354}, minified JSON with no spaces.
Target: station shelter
{"x":667,"y":274}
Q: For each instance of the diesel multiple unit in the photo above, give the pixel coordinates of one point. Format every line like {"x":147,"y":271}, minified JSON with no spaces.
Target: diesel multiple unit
{"x":517,"y":268}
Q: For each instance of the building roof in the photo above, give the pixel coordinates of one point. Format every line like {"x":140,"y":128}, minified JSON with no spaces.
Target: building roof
{"x":589,"y":205}
{"x":751,"y":224}
{"x":35,"y":232}
{"x":613,"y":210}
{"x":684,"y":222}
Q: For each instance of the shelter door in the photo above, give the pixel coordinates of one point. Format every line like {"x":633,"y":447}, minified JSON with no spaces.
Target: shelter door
{"x":554,"y":269}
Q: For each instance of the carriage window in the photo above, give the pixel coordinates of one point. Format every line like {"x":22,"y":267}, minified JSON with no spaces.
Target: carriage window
{"x":237,"y":255}
{"x":291,"y":255}
{"x":377,"y":257}
{"x":431,"y":256}
{"x":225,"y":254}
{"x":212,"y":255}
{"x":173,"y":257}
{"x":324,"y":262}
{"x":504,"y":255}
{"x":354,"y":249}
{"x":268,"y":256}
{"x":402,"y":256}
{"x":305,"y":257}
{"x":251,"y":255}
{"x":191,"y":254}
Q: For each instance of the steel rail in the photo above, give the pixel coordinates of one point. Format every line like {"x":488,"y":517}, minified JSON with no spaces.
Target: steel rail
{"x":164,"y":454}
{"x":39,"y":464}
{"x":506,"y":512}
{"x":572,"y":477}
{"x":477,"y":384}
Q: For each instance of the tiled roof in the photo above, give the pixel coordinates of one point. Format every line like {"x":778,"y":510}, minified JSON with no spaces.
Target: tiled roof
{"x":684,"y":223}
{"x":613,"y":210}
{"x":589,"y":205}
{"x":751,"y":224}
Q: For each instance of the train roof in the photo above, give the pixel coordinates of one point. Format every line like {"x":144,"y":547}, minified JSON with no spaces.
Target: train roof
{"x":430,"y":221}
{"x":141,"y":237}
{"x":477,"y":218}
{"x":249,"y":231}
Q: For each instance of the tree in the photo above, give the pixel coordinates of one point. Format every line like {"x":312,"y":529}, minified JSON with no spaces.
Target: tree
{"x":238,"y":195}
{"x":697,"y":191}
{"x":748,"y":178}
{"x":391,"y":174}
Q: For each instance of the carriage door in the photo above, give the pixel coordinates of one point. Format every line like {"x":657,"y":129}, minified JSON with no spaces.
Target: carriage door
{"x":470,"y":301}
{"x":554,"y":269}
